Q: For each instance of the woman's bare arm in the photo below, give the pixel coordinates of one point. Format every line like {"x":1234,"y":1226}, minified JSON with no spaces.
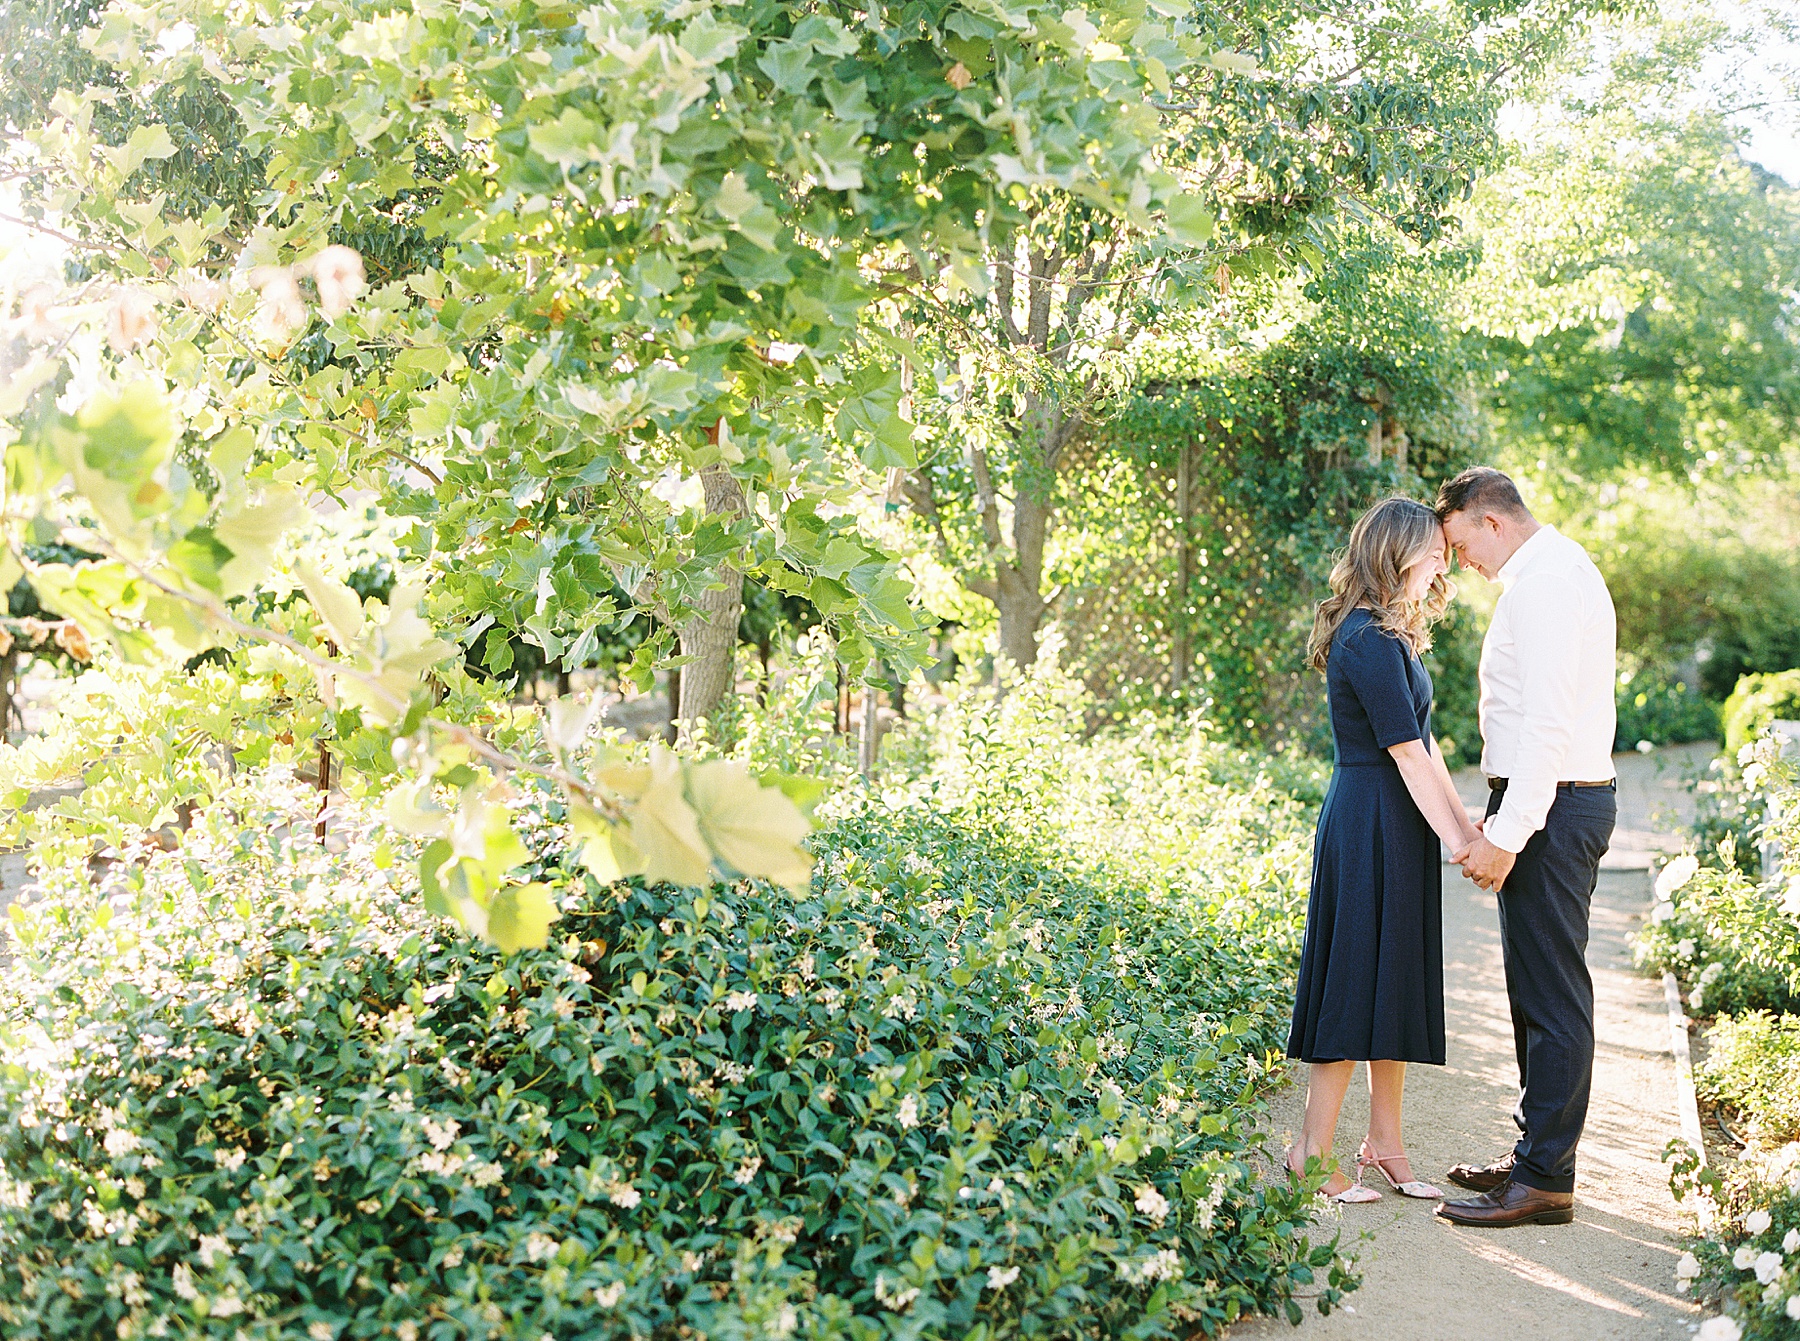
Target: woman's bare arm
{"x":1442,"y":811}
{"x":1443,"y":773}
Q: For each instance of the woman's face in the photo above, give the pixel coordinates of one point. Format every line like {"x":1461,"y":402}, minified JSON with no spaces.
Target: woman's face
{"x":1427,"y":566}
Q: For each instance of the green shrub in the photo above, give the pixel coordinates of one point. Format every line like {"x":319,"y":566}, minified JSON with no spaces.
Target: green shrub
{"x":1757,"y":701}
{"x":1753,"y":1064}
{"x":1661,"y":709}
{"x":1728,"y":940}
{"x":252,"y":1088}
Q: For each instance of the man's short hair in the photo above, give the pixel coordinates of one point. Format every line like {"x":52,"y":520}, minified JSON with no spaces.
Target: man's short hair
{"x":1481,"y":489}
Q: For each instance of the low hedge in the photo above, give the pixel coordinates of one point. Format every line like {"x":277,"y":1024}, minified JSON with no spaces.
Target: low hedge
{"x":251,"y":1089}
{"x":1757,"y":701}
{"x":1753,"y":1065}
{"x":1656,"y":708}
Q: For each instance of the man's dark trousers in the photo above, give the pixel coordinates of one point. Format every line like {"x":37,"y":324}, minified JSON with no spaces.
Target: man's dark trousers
{"x":1543,"y":937}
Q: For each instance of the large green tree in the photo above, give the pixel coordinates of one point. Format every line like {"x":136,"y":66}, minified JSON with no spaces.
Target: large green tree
{"x":1338,"y":123}
{"x":622,"y":344}
{"x":1639,"y":275}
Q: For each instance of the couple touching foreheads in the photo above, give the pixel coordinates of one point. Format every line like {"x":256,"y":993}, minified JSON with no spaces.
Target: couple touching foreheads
{"x":1371,"y":983}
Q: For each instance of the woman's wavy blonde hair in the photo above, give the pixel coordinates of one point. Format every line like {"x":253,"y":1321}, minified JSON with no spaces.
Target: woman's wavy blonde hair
{"x":1371,"y":572}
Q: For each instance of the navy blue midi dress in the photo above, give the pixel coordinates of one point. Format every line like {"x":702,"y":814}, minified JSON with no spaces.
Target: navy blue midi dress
{"x":1372,"y":967}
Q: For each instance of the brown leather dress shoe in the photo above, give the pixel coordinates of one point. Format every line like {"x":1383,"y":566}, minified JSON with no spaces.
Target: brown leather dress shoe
{"x":1483,"y":1177}
{"x":1511,"y":1204}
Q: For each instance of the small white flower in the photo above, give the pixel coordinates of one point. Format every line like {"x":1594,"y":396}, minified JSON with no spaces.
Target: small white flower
{"x":747,"y":1171}
{"x":1790,"y":1240}
{"x":212,"y":1248}
{"x":606,"y":1296}
{"x":1688,"y":1267}
{"x":541,"y":1247}
{"x":1684,"y":949}
{"x":908,"y":1116}
{"x":740,"y":1001}
{"x":443,"y":1136}
{"x":1001,"y":1277}
{"x":1676,"y":874}
{"x":338,"y":271}
{"x":892,"y":1297}
{"x":120,"y":1142}
{"x":1758,"y":1221}
{"x":1768,"y":1266}
{"x":623,"y":1194}
{"x":1793,"y":1307}
{"x":182,"y":1281}
{"x":1745,"y":1257}
{"x":227,"y":1305}
{"x":1662,"y":912}
{"x":1152,"y":1203}
{"x":319,"y":1331}
{"x":1719,"y":1329}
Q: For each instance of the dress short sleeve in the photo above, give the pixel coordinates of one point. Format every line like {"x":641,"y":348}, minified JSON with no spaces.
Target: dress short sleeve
{"x":1374,"y":662}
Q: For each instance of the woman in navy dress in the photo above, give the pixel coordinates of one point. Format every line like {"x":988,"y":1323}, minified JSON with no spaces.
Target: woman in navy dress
{"x":1371,"y":983}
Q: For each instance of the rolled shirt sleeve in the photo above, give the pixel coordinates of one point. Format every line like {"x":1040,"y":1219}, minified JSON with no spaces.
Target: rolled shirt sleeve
{"x":1546,"y":613}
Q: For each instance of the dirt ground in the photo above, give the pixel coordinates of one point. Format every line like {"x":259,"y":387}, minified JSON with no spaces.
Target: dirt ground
{"x":1611,"y":1273}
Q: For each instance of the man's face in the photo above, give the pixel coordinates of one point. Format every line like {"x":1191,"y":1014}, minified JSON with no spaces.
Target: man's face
{"x":1479,"y":540}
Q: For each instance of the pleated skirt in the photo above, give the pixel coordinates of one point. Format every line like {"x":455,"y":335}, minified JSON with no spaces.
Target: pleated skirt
{"x":1371,"y":984}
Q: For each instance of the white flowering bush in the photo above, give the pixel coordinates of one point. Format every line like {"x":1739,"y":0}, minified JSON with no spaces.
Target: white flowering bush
{"x":251,"y":1087}
{"x":1751,"y":1266}
{"x":1734,"y":941}
{"x":1732,"y":938}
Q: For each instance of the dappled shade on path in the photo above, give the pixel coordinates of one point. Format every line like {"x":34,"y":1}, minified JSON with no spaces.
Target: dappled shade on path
{"x":1611,"y":1273}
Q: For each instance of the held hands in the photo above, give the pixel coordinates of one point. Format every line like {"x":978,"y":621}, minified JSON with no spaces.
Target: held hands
{"x":1482,"y":862}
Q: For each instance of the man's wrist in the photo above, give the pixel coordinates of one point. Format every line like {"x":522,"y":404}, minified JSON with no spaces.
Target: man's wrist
{"x":1507,"y":834}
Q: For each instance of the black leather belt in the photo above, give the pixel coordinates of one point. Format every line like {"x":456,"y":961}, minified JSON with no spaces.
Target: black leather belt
{"x":1499,"y":784}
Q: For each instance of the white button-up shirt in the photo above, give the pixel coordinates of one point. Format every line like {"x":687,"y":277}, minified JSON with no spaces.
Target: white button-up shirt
{"x":1547,"y":677}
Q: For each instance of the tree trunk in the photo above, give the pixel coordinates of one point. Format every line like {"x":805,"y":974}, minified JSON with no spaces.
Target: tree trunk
{"x":709,"y":636}
{"x":1020,"y":583}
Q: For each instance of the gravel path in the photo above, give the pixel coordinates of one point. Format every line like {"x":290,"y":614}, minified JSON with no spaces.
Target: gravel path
{"x":1611,"y":1273}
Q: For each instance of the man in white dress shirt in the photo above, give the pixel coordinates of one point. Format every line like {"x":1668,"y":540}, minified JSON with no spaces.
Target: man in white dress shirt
{"x":1547,"y":724}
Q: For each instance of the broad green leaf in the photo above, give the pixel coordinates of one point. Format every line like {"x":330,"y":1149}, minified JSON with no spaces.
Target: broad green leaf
{"x":337,"y":605}
{"x":251,"y":533}
{"x":569,"y":141}
{"x":664,"y":829}
{"x":734,"y":198}
{"x":753,"y":828}
{"x":1234,"y":61}
{"x":199,"y":556}
{"x":566,"y":723}
{"x":606,"y":850}
{"x":519,"y":917}
{"x":118,"y":447}
{"x":871,"y":419}
{"x":1192,"y":219}
{"x":146,"y":142}
{"x":436,"y":856}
